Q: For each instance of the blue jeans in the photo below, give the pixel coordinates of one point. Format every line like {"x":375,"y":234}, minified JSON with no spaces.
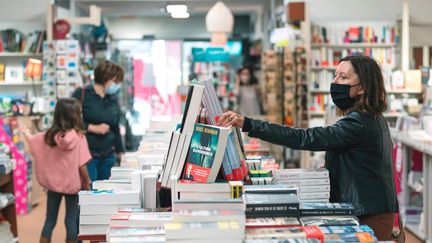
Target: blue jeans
{"x":53,"y":204}
{"x":99,"y":168}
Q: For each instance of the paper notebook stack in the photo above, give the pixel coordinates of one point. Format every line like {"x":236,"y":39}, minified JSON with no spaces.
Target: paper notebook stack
{"x":97,"y":207}
{"x":138,"y":225}
{"x":313,"y":184}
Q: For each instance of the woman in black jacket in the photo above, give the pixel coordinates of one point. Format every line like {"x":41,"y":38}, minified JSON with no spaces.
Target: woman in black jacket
{"x":358,"y":146}
{"x":101,"y":116}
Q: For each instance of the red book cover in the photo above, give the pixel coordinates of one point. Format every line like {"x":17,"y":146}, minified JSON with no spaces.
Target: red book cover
{"x":314,"y":232}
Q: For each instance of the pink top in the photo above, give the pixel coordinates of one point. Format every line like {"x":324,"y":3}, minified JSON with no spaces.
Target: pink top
{"x":57,"y":168}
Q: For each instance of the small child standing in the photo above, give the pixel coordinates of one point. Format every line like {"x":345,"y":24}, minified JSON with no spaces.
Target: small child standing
{"x":61,"y":154}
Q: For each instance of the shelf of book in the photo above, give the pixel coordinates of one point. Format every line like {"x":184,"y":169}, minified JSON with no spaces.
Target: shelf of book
{"x":403,"y":92}
{"x":319,"y":91}
{"x":319,"y":68}
{"x":24,"y":83}
{"x":20,"y":54}
{"x":415,"y":229}
{"x":355,"y":45}
{"x":317,"y":113}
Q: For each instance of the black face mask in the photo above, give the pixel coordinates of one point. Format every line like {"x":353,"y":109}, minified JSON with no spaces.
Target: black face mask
{"x":340,"y":94}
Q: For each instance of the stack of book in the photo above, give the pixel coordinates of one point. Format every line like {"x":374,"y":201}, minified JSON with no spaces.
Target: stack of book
{"x":206,"y":226}
{"x":339,"y":234}
{"x":328,"y":214}
{"x":271,"y":201}
{"x":97,"y":207}
{"x":233,"y":166}
{"x":121,"y":173}
{"x":181,"y":138}
{"x":186,"y":190}
{"x":313,"y":184}
{"x":260,"y":169}
{"x":138,"y":225}
{"x":6,"y":163}
{"x":281,"y":234}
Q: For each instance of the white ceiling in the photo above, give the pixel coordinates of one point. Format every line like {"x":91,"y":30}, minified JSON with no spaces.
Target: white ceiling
{"x":321,"y":10}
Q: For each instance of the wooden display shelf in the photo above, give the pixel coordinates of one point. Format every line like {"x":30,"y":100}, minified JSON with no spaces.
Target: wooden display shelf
{"x":355,"y":45}
{"x":24,"y":83}
{"x":9,"y":212}
{"x":19,"y":54}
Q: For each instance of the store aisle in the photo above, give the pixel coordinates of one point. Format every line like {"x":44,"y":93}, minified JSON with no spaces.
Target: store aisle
{"x":30,"y":225}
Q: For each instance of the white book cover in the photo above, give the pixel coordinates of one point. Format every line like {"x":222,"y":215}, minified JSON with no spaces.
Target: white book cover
{"x":138,"y":239}
{"x":208,"y":216}
{"x":221,"y":204}
{"x":320,"y":200}
{"x":204,"y":230}
{"x":108,"y":197}
{"x":176,"y":159}
{"x":149,"y":190}
{"x":104,"y":208}
{"x":313,"y":195}
{"x":100,"y":229}
{"x":140,"y":219}
{"x":308,"y":182}
{"x":322,"y":188}
{"x":14,"y":74}
{"x":95,"y":219}
{"x":183,"y":155}
{"x":183,"y":186}
{"x":170,"y":158}
{"x":201,"y":195}
{"x":134,"y":231}
{"x":191,"y":112}
{"x":121,"y":173}
{"x":301,"y":174}
{"x":113,"y":184}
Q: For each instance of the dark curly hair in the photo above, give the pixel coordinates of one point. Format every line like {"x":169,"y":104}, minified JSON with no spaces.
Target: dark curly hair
{"x":374,"y":99}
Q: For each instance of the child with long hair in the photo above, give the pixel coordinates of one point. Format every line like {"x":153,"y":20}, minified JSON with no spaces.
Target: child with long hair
{"x":61,"y":154}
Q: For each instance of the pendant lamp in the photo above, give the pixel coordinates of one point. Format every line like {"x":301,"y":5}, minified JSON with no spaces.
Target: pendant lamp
{"x":219,"y":22}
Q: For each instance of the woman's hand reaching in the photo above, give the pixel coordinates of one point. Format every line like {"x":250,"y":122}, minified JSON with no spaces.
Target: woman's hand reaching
{"x":230,"y":119}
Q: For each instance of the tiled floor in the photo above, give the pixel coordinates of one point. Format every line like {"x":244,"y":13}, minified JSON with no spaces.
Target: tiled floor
{"x":30,"y":226}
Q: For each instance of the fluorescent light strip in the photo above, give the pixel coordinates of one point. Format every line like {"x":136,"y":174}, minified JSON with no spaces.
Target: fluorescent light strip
{"x":178,"y":8}
{"x":180,"y":15}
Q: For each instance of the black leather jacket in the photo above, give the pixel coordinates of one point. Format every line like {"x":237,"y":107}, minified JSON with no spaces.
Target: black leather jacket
{"x":359,"y":157}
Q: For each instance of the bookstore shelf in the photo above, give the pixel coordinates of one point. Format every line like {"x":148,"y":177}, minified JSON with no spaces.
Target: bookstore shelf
{"x":415,"y":229}
{"x":319,"y":91}
{"x":354,"y":45}
{"x":319,"y":68}
{"x":24,"y":83}
{"x":403,"y":92}
{"x":412,"y":187}
{"x":317,"y":113}
{"x":19,"y":54}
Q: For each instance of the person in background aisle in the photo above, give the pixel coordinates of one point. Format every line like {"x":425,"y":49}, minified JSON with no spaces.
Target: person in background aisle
{"x":249,"y":95}
{"x":358,"y":146}
{"x":61,"y":155}
{"x":101,"y":115}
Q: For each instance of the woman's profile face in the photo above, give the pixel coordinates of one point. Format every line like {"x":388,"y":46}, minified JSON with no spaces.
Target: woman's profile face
{"x":345,"y":74}
{"x":245,"y":76}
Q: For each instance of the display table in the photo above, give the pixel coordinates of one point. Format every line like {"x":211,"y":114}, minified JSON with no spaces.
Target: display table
{"x":409,"y":143}
{"x":9,"y":212}
{"x":92,"y":238}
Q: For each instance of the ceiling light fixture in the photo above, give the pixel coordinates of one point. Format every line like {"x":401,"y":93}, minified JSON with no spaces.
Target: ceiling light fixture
{"x":176,"y":8}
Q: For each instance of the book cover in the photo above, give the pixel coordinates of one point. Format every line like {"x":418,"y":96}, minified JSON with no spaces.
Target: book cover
{"x":315,"y":209}
{"x":204,"y":230}
{"x":2,"y":72}
{"x":297,"y":174}
{"x":271,"y":189}
{"x":345,"y":229}
{"x":285,"y":233}
{"x":14,"y":74}
{"x":350,"y":237}
{"x":307,"y":182}
{"x":140,"y":219}
{"x":206,"y":152}
{"x":267,"y":205}
{"x":330,"y":221}
{"x":272,"y":222}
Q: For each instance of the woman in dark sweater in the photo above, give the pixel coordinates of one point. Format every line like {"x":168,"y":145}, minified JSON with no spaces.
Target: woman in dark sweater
{"x":101,"y":116}
{"x":358,"y":146}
